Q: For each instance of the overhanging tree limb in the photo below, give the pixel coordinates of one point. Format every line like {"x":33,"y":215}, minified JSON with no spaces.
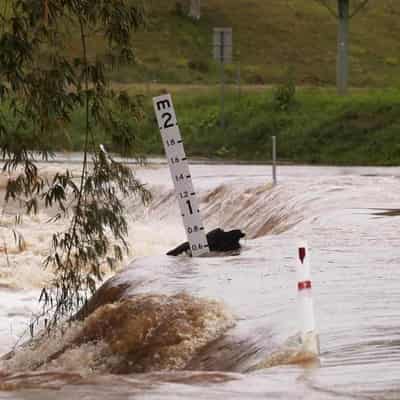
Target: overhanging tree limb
{"x":40,"y":91}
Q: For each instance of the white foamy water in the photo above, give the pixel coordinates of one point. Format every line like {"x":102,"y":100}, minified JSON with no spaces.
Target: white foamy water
{"x":355,"y":266}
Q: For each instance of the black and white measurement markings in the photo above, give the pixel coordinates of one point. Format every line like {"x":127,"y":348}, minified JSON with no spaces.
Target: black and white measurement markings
{"x":180,"y":174}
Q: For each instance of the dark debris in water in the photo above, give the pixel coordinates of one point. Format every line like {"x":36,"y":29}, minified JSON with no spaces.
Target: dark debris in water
{"x":387,"y":212}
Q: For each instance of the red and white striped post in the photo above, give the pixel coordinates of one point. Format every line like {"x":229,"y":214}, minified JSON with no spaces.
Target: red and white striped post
{"x":309,"y":334}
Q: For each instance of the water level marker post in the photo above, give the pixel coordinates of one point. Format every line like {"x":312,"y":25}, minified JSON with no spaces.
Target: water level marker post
{"x":180,"y":174}
{"x":305,"y":303}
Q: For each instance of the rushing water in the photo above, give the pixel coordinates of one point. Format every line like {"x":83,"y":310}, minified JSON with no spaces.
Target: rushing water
{"x":355,"y":264}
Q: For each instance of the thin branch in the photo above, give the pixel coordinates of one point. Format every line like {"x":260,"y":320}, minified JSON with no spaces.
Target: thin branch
{"x":87,"y":128}
{"x":359,"y":8}
{"x":328,"y":7}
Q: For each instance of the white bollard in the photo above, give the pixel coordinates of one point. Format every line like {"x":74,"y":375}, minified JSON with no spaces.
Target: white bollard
{"x":180,"y":174}
{"x":309,"y":335}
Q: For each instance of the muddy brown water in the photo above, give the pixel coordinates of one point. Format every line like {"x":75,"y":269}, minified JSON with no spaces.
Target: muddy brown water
{"x":349,"y":218}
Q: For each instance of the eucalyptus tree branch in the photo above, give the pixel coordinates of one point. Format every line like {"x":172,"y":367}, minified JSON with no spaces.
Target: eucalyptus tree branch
{"x":40,"y":89}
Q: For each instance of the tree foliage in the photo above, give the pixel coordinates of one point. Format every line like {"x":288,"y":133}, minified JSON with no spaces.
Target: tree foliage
{"x":41,"y":86}
{"x":285,"y":93}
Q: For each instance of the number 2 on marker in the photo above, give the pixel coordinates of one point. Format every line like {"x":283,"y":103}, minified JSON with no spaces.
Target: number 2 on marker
{"x":167,"y":123}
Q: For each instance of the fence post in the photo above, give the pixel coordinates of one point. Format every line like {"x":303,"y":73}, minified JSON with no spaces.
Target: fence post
{"x":274,"y":180}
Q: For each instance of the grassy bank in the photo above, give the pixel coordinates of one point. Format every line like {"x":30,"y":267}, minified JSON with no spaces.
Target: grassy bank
{"x":319,"y":127}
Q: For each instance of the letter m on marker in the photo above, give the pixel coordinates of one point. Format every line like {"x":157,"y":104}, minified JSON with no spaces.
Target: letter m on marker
{"x":163,"y":104}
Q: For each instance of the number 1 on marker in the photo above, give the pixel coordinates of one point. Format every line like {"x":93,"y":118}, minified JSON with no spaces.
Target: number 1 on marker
{"x":189,"y":206}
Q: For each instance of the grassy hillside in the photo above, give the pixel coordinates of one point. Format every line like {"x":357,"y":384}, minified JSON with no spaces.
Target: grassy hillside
{"x":269,"y":35}
{"x":317,"y":127}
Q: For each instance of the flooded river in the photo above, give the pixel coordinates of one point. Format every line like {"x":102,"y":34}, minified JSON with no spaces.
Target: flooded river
{"x":249,"y":348}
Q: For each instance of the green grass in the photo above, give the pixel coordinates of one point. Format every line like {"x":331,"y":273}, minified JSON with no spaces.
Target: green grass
{"x":319,"y":127}
{"x":175,"y":53}
{"x":268,"y":37}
